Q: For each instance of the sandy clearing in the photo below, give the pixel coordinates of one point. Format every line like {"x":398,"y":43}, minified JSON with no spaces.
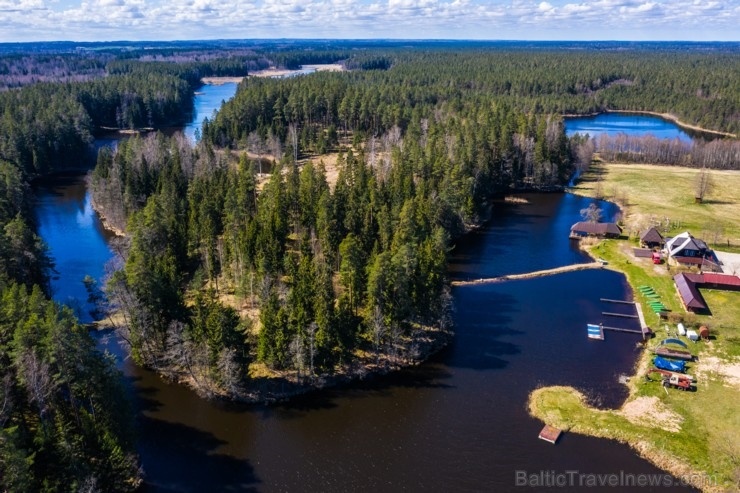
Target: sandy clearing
{"x":325,"y":67}
{"x":652,"y":412}
{"x":278,"y":72}
{"x":729,"y":371}
{"x":217,"y":81}
{"x":730,"y":262}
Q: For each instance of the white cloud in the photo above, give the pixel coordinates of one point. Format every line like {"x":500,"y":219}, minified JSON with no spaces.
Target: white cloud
{"x":462,"y":19}
{"x":20,"y":5}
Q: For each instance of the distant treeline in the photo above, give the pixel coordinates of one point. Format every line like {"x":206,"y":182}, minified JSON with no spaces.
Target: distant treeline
{"x":700,"y":88}
{"x":48,"y":126}
{"x":717,"y":154}
{"x":26,"y":69}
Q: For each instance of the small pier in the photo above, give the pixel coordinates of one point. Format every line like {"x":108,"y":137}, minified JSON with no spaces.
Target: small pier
{"x":618,"y":329}
{"x":550,"y":434}
{"x":640,"y":315}
{"x":623,"y":302}
{"x":530,"y":275}
{"x":622,"y":315}
{"x":644,"y":329}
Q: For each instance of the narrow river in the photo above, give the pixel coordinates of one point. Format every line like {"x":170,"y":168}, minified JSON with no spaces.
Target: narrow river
{"x":456,"y":423}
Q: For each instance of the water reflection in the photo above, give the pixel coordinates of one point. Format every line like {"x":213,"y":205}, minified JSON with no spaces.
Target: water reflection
{"x":613,"y":124}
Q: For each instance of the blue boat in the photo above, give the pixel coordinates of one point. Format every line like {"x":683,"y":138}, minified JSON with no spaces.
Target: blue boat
{"x":666,"y":364}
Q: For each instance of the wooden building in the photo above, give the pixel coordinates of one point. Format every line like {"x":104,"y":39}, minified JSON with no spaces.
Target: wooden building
{"x":688,"y":251}
{"x":652,"y":239}
{"x":600,"y":230}
{"x":688,"y":286}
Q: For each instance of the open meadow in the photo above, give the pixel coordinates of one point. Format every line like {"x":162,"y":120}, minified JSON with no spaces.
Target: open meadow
{"x":651,"y":194}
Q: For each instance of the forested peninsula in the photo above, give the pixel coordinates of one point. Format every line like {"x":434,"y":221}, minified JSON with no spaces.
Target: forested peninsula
{"x":303,"y":240}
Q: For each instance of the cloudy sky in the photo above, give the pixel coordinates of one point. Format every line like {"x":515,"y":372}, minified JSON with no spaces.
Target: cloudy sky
{"x":105,"y":20}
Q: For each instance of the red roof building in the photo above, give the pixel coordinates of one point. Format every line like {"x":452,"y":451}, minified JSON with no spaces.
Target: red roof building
{"x":690,"y":296}
{"x":688,"y":286}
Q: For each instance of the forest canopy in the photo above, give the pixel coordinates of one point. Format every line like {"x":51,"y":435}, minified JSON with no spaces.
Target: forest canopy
{"x":305,"y":236}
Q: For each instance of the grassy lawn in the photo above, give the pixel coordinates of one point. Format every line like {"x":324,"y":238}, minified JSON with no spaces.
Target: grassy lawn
{"x":691,"y":434}
{"x":654,"y":193}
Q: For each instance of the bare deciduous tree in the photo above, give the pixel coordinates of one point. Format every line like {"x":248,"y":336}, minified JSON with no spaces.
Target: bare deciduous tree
{"x":703,"y":184}
{"x":313,"y":327}
{"x":298,"y":354}
{"x":37,"y":376}
{"x":6,"y":401}
{"x":276,"y":148}
{"x":394,"y":342}
{"x":592,"y":213}
{"x":378,"y":328}
{"x":256,"y":145}
{"x":293,"y":139}
{"x":228,"y":370}
{"x":584,"y":155}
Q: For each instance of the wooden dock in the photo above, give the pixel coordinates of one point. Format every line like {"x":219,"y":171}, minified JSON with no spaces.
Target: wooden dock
{"x":550,"y":434}
{"x":623,"y":315}
{"x":618,"y":329}
{"x":623,"y":302}
{"x":530,"y":275}
{"x":646,"y":332}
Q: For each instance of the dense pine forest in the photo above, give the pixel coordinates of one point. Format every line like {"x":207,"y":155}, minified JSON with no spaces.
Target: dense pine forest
{"x":303,"y":239}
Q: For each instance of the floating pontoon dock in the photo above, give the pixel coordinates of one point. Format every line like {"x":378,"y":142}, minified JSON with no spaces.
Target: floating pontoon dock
{"x":550,"y":434}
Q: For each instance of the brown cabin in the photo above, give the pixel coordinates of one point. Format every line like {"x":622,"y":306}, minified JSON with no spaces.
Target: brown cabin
{"x":652,"y":238}
{"x":601,"y":230}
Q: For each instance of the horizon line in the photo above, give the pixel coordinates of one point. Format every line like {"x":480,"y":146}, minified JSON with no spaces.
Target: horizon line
{"x":406,"y":40}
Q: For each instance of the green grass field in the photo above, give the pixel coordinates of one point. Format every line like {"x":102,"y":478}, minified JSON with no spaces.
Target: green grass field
{"x":654,"y":193}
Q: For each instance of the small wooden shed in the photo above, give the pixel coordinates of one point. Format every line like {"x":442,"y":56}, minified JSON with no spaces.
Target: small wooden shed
{"x":652,"y":238}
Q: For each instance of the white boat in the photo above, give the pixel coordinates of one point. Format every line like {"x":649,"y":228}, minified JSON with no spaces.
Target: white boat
{"x":681,"y":330}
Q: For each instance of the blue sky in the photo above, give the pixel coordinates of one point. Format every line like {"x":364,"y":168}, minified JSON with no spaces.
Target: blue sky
{"x":105,"y":20}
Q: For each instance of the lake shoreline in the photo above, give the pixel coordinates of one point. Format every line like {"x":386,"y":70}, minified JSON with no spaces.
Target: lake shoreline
{"x":427,"y":339}
{"x":264,"y":390}
{"x":103,"y":219}
{"x":547,"y":404}
{"x":662,"y":431}
{"x":664,"y":116}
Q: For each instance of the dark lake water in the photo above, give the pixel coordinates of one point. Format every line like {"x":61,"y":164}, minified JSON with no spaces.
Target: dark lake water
{"x":456,"y":423}
{"x":631,"y":124}
{"x":525,"y":238}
